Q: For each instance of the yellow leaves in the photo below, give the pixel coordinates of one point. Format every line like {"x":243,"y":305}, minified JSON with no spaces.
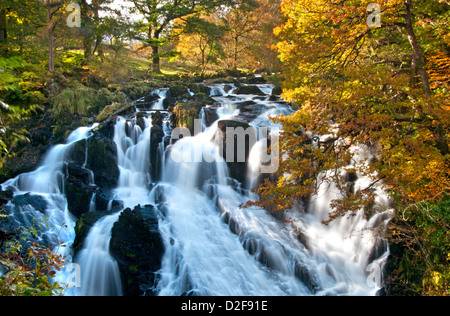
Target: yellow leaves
{"x":439,"y":69}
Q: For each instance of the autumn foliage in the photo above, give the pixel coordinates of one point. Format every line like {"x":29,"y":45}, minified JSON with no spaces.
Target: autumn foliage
{"x":385,"y":88}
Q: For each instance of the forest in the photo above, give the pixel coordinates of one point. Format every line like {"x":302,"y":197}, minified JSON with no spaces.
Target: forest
{"x":365,"y":72}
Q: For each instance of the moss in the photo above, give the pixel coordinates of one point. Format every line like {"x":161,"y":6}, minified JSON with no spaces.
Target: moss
{"x":184,"y":115}
{"x":75,"y":101}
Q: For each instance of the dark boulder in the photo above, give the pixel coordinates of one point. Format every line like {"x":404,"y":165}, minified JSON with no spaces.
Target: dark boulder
{"x":158,"y":119}
{"x":78,"y":189}
{"x":84,"y":226}
{"x":29,"y":155}
{"x":254,"y":90}
{"x":250,"y":110}
{"x":5,"y":196}
{"x":256,"y":80}
{"x":90,"y":165}
{"x":238,"y":133}
{"x":156,"y":138}
{"x":37,"y":202}
{"x":27,"y":218}
{"x":149,"y":99}
{"x":277,"y":91}
{"x":210,"y":116}
{"x":137,"y":246}
{"x":199,"y":88}
{"x":140,"y":120}
{"x":102,"y":160}
{"x":104,"y":201}
{"x":178,"y":91}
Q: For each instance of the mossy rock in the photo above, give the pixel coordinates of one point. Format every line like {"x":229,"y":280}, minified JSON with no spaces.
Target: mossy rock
{"x":253,"y":90}
{"x":138,"y":247}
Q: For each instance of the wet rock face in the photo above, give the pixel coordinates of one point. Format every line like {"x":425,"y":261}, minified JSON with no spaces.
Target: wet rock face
{"x":78,"y":190}
{"x":102,"y":160}
{"x":138,"y":248}
{"x":91,"y":165}
{"x":83,"y":227}
{"x":238,"y":168}
{"x":210,"y":116}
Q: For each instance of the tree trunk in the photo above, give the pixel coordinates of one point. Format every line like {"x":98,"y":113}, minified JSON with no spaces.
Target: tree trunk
{"x":3,"y":32}
{"x":236,"y":43}
{"x":419,"y":62}
{"x":156,"y":60}
{"x":51,"y":58}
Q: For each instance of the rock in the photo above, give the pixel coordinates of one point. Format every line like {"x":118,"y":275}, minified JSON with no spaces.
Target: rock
{"x":102,"y":160}
{"x":29,"y":155}
{"x":91,"y":164}
{"x":277,"y":91}
{"x":104,"y":201}
{"x":210,"y":116}
{"x":254,"y":90}
{"x":307,"y":276}
{"x":227,"y":88}
{"x":77,"y":153}
{"x":250,"y":110}
{"x":199,"y":88}
{"x":137,"y":246}
{"x":140,"y":120}
{"x":158,"y":119}
{"x":84,"y":226}
{"x":203,"y":99}
{"x":169,"y":102}
{"x":178,"y":91}
{"x":78,"y":189}
{"x":242,"y":146}
{"x":149,"y":99}
{"x":257,"y":80}
{"x":37,"y":202}
{"x":5,"y":196}
{"x":27,"y":221}
{"x":185,"y":114}
{"x":156,"y":138}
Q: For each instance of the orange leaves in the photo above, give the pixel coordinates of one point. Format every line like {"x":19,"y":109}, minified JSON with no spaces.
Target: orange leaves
{"x":439,"y":69}
{"x":352,"y":85}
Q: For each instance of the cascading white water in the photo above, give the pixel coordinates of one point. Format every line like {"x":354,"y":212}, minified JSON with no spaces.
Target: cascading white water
{"x":213,"y":246}
{"x":47,"y":179}
{"x":203,"y":257}
{"x":101,"y":275}
{"x":55,"y":224}
{"x":159,"y":105}
{"x":259,"y":255}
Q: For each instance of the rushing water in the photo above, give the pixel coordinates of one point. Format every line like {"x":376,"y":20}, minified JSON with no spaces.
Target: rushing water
{"x":213,"y":246}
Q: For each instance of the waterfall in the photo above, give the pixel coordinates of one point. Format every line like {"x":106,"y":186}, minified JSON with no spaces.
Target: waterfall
{"x":213,"y":246}
{"x":101,"y":275}
{"x":50,"y":216}
{"x":159,"y":105}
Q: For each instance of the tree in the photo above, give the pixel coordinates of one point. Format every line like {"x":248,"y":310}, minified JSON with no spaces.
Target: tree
{"x":117,"y":30}
{"x":240,"y":21}
{"x":53,"y":18}
{"x":356,"y":85}
{"x":200,"y":43}
{"x":93,"y":27}
{"x":159,"y":15}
